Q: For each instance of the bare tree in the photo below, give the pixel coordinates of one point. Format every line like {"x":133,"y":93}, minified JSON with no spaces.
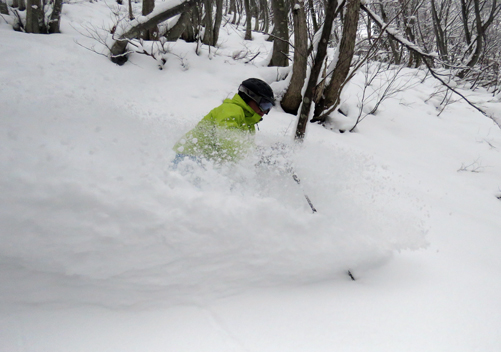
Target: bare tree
{"x":480,"y":28}
{"x":331,"y":13}
{"x":330,"y":98}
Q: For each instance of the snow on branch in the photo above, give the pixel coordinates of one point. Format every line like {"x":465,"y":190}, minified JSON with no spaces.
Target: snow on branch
{"x":395,"y":34}
{"x":161,"y":13}
{"x":132,"y":30}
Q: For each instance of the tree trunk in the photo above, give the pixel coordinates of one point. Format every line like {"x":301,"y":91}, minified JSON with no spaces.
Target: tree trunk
{"x":55,"y":17}
{"x":35,"y":17}
{"x":190,"y":35}
{"x":152,"y":33}
{"x":208,"y":24}
{"x":346,"y":49}
{"x":131,"y":15}
{"x":234,"y":20}
{"x":232,"y":8}
{"x":217,"y":21}
{"x":408,"y":22}
{"x":280,"y":56}
{"x":293,"y":97}
{"x":397,"y":57}
{"x":4,"y":9}
{"x":330,"y":15}
{"x":440,"y":38}
{"x":481,"y":29}
{"x":369,"y":31}
{"x":148,"y":7}
{"x":180,"y":27}
{"x":248,"y":21}
{"x":240,"y":11}
{"x":255,"y":14}
{"x":465,"y":16}
{"x":22,"y":5}
{"x":266,"y":16}
{"x":313,"y":16}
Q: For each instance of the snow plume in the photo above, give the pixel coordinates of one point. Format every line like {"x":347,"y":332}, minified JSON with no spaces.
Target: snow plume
{"x":90,"y":211}
{"x":92,"y":208}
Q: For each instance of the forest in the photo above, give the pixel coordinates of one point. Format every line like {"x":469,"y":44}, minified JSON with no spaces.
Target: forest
{"x":456,"y":41}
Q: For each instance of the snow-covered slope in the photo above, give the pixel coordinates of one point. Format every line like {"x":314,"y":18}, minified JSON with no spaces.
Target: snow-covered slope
{"x":104,"y":248}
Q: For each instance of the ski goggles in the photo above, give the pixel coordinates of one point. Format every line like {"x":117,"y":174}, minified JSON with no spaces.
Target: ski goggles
{"x":264,"y":104}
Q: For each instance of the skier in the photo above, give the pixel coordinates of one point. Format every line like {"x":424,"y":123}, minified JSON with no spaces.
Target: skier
{"x":227,"y":132}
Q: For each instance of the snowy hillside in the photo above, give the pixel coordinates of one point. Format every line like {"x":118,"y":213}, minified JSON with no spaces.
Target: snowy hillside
{"x":103,"y":247}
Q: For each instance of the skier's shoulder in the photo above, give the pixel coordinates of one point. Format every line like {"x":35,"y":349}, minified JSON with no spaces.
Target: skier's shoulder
{"x":228,"y":110}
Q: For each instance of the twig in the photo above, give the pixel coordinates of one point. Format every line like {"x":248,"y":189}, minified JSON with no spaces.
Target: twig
{"x":253,"y":57}
{"x":425,"y":57}
{"x":433,"y":73}
{"x":474,"y":167}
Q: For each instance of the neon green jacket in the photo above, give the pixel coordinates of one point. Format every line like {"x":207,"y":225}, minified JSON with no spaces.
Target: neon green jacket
{"x":224,"y":134}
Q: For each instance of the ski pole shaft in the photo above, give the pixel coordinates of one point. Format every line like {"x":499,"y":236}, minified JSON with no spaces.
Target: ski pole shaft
{"x":298,"y":181}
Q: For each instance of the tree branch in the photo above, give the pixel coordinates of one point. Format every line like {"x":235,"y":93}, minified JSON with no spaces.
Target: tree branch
{"x":135,"y":28}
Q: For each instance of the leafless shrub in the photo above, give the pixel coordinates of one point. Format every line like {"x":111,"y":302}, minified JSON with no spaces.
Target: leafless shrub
{"x":381,"y":84}
{"x":443,"y":97}
{"x":157,"y":50}
{"x":475,"y":167}
{"x":100,"y":34}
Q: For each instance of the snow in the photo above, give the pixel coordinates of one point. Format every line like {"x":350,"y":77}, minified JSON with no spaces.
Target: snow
{"x":104,"y":248}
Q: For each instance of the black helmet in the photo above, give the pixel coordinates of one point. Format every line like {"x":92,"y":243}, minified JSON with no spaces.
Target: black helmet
{"x":259,"y":91}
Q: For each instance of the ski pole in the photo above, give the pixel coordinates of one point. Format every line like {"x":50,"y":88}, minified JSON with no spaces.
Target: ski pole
{"x":298,"y":181}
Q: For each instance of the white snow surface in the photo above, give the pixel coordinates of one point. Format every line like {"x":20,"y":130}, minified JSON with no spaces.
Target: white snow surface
{"x":103,"y":247}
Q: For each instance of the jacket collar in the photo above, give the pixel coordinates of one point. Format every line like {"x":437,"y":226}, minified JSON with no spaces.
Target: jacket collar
{"x":250,"y":115}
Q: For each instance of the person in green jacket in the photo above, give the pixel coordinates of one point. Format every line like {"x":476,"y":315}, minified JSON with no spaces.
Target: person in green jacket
{"x":226,"y":133}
